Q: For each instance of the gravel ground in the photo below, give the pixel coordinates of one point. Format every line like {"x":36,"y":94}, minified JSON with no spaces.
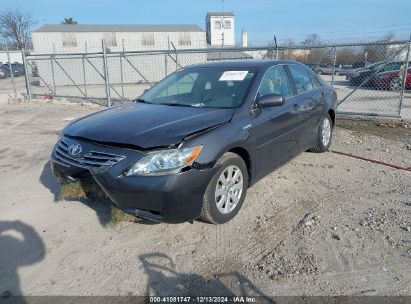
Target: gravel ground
{"x":323,"y":224}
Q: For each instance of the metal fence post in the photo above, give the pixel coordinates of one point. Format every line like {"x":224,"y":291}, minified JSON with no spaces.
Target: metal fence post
{"x":26,"y":71}
{"x":175,"y":50}
{"x":334,"y":62}
{"x":11,"y":71}
{"x":84,"y":68}
{"x":404,"y":77}
{"x":165,"y":65}
{"x":52,"y":69}
{"x":105,"y":68}
{"x":84,"y":75}
{"x":121,"y":69}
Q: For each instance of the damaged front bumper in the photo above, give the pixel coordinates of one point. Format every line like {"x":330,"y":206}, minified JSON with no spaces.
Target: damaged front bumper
{"x":171,"y":198}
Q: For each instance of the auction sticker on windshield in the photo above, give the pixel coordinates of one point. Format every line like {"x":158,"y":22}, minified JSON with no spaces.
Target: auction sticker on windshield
{"x":233,"y":76}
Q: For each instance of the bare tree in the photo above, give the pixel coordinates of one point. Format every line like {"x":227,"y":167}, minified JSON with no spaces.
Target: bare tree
{"x":312,"y":40}
{"x":316,"y":54}
{"x":380,"y":52}
{"x":290,"y":53}
{"x":15,"y":26}
{"x":348,"y":55}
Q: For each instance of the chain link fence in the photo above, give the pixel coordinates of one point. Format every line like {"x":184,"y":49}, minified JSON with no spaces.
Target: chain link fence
{"x":370,"y":79}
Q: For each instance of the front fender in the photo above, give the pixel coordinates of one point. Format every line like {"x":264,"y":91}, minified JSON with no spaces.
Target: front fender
{"x":223,"y":139}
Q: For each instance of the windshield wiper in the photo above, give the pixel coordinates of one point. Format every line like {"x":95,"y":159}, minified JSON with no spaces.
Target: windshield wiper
{"x":175,"y":104}
{"x":142,"y":100}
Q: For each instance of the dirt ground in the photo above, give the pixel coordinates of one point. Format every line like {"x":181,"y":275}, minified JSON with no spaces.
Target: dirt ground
{"x":323,"y":224}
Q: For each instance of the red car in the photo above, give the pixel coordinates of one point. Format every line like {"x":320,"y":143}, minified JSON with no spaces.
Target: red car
{"x":391,"y":80}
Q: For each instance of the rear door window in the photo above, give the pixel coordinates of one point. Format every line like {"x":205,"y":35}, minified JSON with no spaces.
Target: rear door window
{"x":393,"y":66}
{"x":302,"y":79}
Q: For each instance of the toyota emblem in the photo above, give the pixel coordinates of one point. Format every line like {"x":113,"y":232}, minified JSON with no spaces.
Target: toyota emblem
{"x":75,"y":149}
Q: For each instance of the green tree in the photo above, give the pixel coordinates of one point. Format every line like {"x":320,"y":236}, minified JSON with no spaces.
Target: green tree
{"x":69,"y":21}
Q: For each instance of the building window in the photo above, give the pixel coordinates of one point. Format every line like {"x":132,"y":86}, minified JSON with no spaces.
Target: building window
{"x":217,"y":25}
{"x":227,"y":24}
{"x":184,"y":39}
{"x":69,"y":40}
{"x":148,"y":39}
{"x":110,"y":39}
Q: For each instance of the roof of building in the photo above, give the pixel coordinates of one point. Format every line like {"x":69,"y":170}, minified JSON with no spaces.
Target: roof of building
{"x":119,"y":28}
{"x":220,"y":14}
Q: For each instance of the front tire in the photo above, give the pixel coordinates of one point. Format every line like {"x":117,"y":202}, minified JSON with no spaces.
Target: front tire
{"x":324,"y":135}
{"x":226,"y":191}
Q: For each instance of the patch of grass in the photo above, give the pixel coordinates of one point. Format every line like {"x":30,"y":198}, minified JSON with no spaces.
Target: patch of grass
{"x":72,"y":191}
{"x":118,"y":216}
{"x":88,"y":189}
{"x":84,"y":188}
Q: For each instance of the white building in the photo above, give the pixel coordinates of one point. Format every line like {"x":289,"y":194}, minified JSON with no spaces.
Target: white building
{"x":15,"y":57}
{"x":131,"y":68}
{"x":220,"y":29}
{"x":79,"y":38}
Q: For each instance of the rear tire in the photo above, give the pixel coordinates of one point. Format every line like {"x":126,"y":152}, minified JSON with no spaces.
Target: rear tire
{"x":225,"y":194}
{"x":324,"y":135}
{"x":395,"y":84}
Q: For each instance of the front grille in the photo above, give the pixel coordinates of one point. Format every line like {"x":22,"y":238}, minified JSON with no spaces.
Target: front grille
{"x":96,"y":162}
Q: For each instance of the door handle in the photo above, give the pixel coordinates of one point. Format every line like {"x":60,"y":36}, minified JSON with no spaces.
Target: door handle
{"x":298,"y":108}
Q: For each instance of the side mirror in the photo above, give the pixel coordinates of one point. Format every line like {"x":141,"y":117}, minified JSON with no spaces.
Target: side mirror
{"x":270,"y":100}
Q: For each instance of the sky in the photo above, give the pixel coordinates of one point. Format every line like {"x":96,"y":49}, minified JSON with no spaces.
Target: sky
{"x":334,"y":20}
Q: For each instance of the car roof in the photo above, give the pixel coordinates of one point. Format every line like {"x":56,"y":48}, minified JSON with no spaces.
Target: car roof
{"x":236,"y":64}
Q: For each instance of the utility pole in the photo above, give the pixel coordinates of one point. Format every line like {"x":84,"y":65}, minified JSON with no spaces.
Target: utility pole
{"x":276,"y":48}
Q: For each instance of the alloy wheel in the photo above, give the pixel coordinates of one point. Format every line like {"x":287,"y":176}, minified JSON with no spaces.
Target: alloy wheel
{"x":395,"y":84}
{"x":229,"y":189}
{"x":326,"y":132}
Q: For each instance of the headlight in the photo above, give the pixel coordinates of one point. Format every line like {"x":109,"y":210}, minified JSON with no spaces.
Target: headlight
{"x":165,"y":162}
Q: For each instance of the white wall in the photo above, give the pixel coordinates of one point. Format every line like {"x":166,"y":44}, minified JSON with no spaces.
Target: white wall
{"x":48,"y":42}
{"x":15,"y":56}
{"x":152,"y":67}
{"x":215,"y":36}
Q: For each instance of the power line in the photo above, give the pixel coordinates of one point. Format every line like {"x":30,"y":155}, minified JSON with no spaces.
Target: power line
{"x":374,"y":27}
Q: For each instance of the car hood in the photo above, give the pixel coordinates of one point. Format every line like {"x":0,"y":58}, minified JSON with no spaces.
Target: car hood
{"x":146,"y":125}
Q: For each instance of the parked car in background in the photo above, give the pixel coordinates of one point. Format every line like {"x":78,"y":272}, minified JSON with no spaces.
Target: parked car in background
{"x":191,"y":146}
{"x":368,"y":76}
{"x":34,"y":70}
{"x":392,"y":80}
{"x":360,"y":75}
{"x":360,"y":64}
{"x":326,"y":69}
{"x":17,"y":68}
{"x":2,"y":73}
{"x":343,"y":69}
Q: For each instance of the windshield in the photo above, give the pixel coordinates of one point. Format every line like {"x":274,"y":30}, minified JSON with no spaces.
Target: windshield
{"x":202,"y":87}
